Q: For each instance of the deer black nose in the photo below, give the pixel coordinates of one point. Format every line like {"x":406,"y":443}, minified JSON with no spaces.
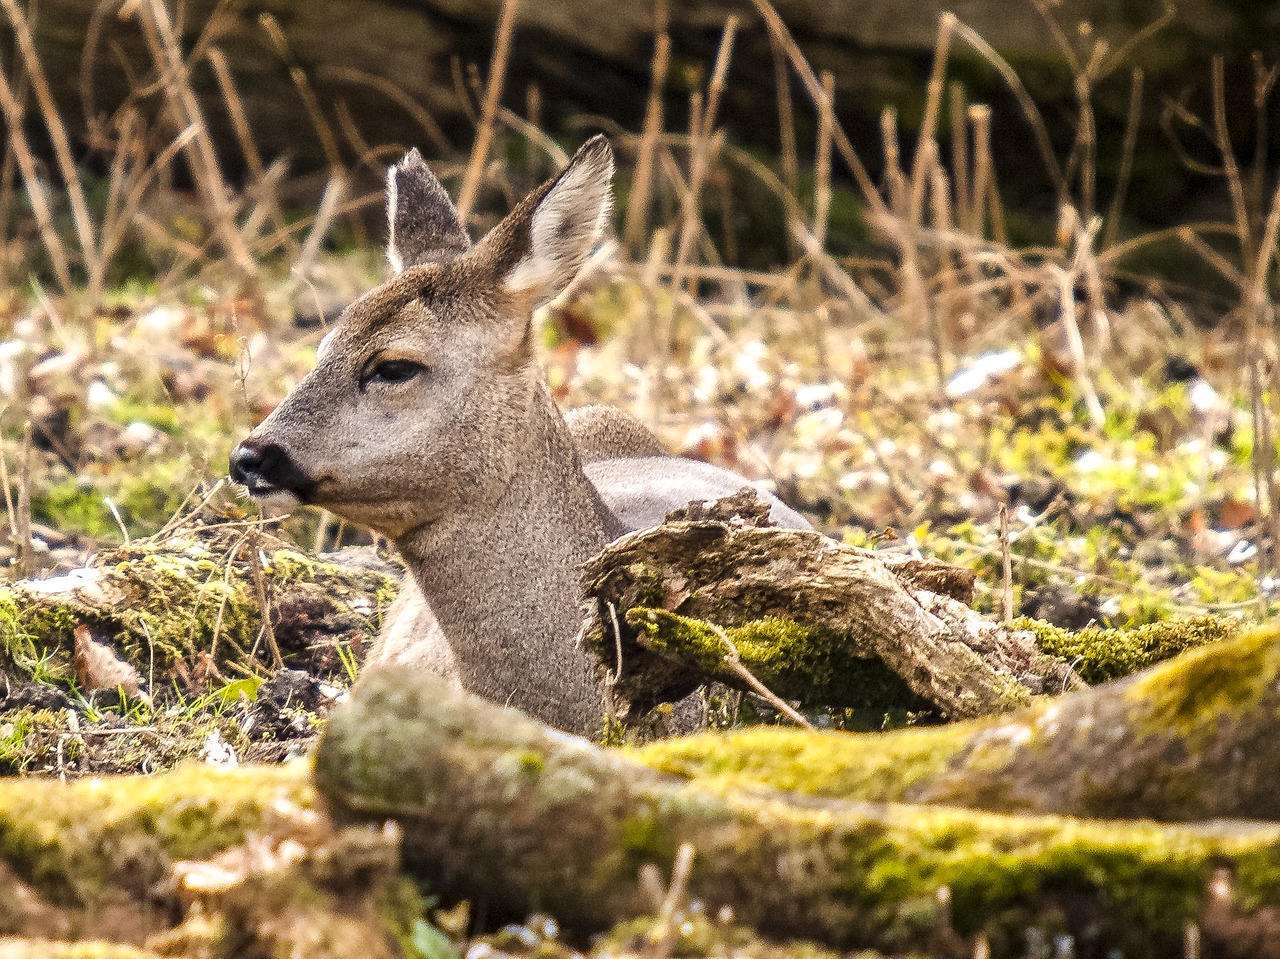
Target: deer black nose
{"x":264,"y":467}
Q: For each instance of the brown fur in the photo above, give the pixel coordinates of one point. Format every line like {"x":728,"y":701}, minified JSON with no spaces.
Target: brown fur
{"x":466,"y":463}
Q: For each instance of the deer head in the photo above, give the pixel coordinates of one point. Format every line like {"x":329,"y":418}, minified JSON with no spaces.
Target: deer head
{"x":422,"y":392}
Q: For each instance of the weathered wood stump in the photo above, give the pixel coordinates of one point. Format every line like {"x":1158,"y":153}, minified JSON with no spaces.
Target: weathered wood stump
{"x":819,"y":623}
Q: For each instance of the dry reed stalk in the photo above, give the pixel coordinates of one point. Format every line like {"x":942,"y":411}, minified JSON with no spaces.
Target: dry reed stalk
{"x":947,"y":303}
{"x":533,"y":114}
{"x":260,"y":586}
{"x":35,"y":191}
{"x":1261,"y":316}
{"x":682,"y":190}
{"x":86,"y":235}
{"x":533,"y":133}
{"x":235,"y":110}
{"x":960,"y":151}
{"x":635,"y":222}
{"x":702,"y":146}
{"x":366,"y":155}
{"x":782,"y":36}
{"x":1030,"y":113}
{"x":324,"y":218}
{"x":115,"y":227}
{"x":980,"y":118}
{"x":310,"y":102}
{"x":488,"y":109}
{"x":894,"y":174}
{"x":788,"y":148}
{"x":244,"y":134}
{"x":656,"y":326}
{"x":8,"y":184}
{"x":1132,"y":117}
{"x":690,"y":201}
{"x":1075,"y":343}
{"x":167,"y":54}
{"x":1087,"y":140}
{"x":26,"y":547}
{"x":999,"y":233}
{"x":1264,"y":81}
{"x":257,"y":197}
{"x":1230,"y":167}
{"x":811,"y":250}
{"x":81,"y":218}
{"x":346,"y":208}
{"x":10,"y":510}
{"x":1006,"y":555}
{"x":929,"y":125}
{"x":418,"y":113}
{"x":822,"y":161}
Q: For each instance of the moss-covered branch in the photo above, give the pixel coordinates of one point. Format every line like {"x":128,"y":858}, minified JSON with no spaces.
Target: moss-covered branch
{"x":496,"y":806}
{"x":820,"y":623}
{"x":1194,"y":738}
{"x":110,"y":843}
{"x":185,"y":607}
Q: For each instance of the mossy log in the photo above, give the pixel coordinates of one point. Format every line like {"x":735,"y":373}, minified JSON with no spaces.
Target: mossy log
{"x":819,"y":623}
{"x":498,"y":808}
{"x":1194,"y":738}
{"x":99,"y":853}
{"x":185,"y":607}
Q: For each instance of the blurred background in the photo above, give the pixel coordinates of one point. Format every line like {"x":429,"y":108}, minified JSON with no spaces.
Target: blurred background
{"x":915,"y":264}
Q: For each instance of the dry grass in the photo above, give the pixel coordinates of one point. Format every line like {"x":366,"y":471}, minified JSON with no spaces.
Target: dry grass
{"x":940,"y":277}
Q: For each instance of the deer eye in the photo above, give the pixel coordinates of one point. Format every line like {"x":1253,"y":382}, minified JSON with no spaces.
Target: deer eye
{"x":392,"y":371}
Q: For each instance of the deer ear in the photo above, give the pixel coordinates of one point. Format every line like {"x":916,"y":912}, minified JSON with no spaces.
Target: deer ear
{"x":545,"y":240}
{"x":423,"y":222}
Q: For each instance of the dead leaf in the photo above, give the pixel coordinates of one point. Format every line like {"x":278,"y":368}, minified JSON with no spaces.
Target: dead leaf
{"x":98,"y":667}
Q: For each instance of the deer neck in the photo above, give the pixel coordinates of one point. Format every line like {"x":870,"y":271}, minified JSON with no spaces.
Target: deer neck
{"x":502,"y":580}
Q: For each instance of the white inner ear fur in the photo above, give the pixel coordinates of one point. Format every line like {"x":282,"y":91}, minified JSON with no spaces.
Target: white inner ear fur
{"x":565,"y":227}
{"x":393,"y":255}
{"x":325,"y":342}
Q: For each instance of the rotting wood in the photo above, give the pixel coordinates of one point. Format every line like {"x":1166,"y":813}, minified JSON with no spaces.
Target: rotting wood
{"x":819,"y":623}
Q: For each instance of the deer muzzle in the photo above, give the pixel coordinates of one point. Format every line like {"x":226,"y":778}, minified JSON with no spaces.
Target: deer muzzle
{"x":269,"y":474}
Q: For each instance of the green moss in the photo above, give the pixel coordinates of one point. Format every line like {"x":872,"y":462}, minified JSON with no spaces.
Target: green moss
{"x":73,"y":842}
{"x":1100,"y":655}
{"x":807,"y":664}
{"x":1195,"y":693}
{"x":878,"y":767}
{"x":846,"y":872}
{"x":167,"y":603}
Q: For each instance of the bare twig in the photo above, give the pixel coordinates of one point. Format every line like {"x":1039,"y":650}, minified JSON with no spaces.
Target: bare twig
{"x":26,"y":547}
{"x":1007,"y":558}
{"x":488,"y":109}
{"x":734,"y":662}
{"x":167,"y":52}
{"x":260,"y":584}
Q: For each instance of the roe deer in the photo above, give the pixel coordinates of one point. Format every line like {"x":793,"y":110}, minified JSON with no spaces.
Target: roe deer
{"x":427,"y":418}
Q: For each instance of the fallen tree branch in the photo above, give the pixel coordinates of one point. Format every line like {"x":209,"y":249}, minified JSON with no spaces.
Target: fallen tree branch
{"x":1193,"y":738}
{"x":816,"y":622}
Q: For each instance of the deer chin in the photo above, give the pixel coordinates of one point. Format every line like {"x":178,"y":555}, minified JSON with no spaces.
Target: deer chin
{"x":275,"y":502}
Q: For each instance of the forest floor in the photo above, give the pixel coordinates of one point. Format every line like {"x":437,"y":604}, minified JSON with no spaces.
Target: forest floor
{"x":1144,"y":516}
